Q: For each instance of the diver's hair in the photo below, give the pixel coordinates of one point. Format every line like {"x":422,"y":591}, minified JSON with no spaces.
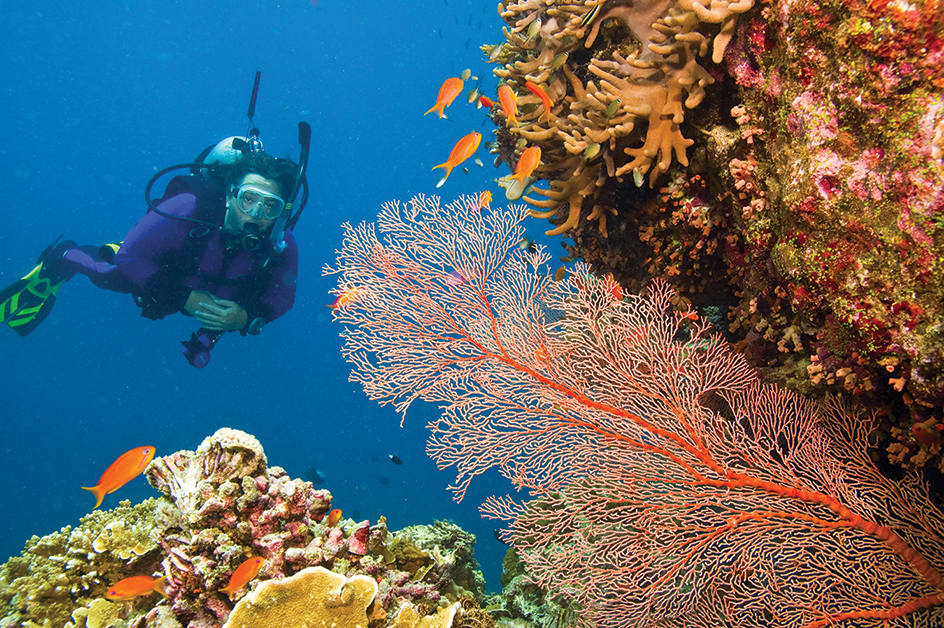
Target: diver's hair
{"x":282,"y":171}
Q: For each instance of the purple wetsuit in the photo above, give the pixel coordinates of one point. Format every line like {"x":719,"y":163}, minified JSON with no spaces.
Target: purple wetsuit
{"x":163,"y":259}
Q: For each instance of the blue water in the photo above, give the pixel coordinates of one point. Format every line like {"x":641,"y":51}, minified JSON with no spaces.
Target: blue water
{"x":95,"y":100}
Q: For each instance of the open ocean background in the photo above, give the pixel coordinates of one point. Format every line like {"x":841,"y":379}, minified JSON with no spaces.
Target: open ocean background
{"x":98,"y":97}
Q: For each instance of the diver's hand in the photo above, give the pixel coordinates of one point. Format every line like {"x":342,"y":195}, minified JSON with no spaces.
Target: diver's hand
{"x":216,"y":314}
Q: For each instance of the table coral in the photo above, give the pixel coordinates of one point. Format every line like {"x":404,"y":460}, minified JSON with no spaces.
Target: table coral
{"x":621,"y":75}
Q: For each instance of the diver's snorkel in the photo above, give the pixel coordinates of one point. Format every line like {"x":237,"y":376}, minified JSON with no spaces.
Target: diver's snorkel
{"x":278,"y":229}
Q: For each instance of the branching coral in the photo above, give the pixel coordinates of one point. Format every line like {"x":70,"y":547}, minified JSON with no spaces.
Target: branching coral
{"x":621,"y":74}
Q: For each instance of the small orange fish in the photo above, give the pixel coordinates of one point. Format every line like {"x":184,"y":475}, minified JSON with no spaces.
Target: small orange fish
{"x":540,"y":93}
{"x":485,"y":101}
{"x":333,"y":517}
{"x":926,"y":434}
{"x":344,"y":299}
{"x":528,"y":161}
{"x":135,"y":586}
{"x":128,"y":466}
{"x":243,"y":574}
{"x":509,"y":103}
{"x":451,"y":88}
{"x":485,"y":200}
{"x":613,"y":288}
{"x":463,"y":149}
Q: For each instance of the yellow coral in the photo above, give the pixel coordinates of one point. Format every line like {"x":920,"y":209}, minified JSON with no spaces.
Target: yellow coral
{"x":125,"y":539}
{"x":409,"y":617}
{"x":99,"y":613}
{"x":314,"y":597}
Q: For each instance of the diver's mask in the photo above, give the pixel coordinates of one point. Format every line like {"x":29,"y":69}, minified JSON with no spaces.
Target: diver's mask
{"x":258,"y":203}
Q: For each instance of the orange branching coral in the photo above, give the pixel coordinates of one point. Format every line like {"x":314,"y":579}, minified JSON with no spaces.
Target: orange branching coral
{"x":633,"y":86}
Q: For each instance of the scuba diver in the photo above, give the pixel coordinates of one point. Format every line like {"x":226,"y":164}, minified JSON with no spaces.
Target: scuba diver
{"x":217,"y":246}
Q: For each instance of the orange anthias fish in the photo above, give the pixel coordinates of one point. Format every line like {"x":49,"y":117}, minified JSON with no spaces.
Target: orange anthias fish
{"x":485,"y":200}
{"x":243,"y":574}
{"x":135,"y":586}
{"x":540,"y":93}
{"x":344,"y":299}
{"x":509,"y":103}
{"x":333,"y":517}
{"x":128,"y":466}
{"x":485,"y":101}
{"x":451,"y":88}
{"x":463,"y":149}
{"x":528,"y":161}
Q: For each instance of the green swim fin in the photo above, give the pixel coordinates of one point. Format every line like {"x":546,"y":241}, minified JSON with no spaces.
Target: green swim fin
{"x":28,"y":301}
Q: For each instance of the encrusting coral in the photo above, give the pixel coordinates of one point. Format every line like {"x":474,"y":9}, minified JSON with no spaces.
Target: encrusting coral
{"x":222,"y":504}
{"x":620,"y":75}
{"x":313,"y":597}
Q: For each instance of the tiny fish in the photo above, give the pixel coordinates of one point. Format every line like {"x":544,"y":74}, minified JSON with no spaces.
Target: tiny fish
{"x":128,"y":466}
{"x":529,"y":160}
{"x":466,"y":73}
{"x":612,"y":108}
{"x":454,"y":278}
{"x":509,"y":103}
{"x":344,"y":299}
{"x":540,"y":93}
{"x":395,"y":460}
{"x":534,"y":28}
{"x":487,"y":102}
{"x":473,"y":95}
{"x":243,"y":574}
{"x":926,"y":435}
{"x":135,"y":586}
{"x":451,"y":88}
{"x":592,"y":151}
{"x":613,"y":288}
{"x":463,"y":149}
{"x":333,"y":517}
{"x":485,"y":200}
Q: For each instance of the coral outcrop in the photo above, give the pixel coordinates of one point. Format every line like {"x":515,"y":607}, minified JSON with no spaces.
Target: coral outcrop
{"x":222,"y":504}
{"x":622,"y":76}
{"x":805,"y":219}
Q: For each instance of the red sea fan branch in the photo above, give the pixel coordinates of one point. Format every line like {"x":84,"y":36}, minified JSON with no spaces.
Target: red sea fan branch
{"x":666,"y":485}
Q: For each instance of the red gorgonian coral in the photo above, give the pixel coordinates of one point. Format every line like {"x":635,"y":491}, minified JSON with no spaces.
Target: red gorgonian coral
{"x":666,"y":485}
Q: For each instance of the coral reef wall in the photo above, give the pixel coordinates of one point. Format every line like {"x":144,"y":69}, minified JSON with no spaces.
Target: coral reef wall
{"x":793,"y":153}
